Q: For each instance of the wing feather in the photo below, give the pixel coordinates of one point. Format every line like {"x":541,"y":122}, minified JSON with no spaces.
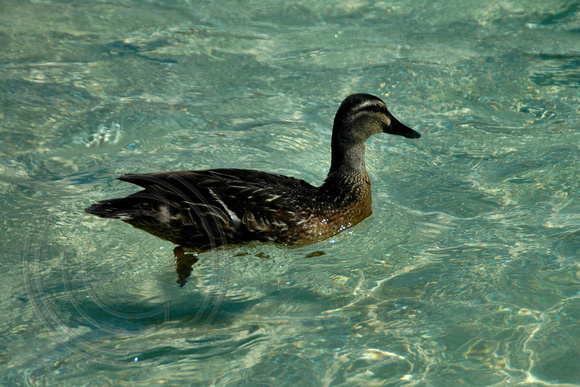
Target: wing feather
{"x":240,"y":204}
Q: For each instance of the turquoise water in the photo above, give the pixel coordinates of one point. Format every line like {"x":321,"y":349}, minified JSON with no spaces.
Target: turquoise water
{"x":467,"y":273}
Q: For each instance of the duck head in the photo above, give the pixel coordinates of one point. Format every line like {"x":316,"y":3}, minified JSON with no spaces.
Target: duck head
{"x":359,"y":117}
{"x":363,"y":115}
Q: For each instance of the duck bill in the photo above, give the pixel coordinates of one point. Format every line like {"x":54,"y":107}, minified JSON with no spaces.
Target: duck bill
{"x":402,"y":130}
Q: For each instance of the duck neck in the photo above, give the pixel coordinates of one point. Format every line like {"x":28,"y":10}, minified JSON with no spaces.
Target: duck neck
{"x":350,"y":158}
{"x":347,"y":168}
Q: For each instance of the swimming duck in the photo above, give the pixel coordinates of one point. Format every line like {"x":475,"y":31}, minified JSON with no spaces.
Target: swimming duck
{"x":201,"y":210}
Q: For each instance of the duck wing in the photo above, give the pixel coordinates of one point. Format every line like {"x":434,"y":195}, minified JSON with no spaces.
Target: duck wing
{"x":204,"y":209}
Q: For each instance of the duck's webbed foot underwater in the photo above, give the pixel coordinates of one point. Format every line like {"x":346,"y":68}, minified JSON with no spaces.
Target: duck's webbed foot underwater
{"x":184,"y":262}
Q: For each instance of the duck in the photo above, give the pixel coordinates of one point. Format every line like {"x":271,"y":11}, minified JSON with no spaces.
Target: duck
{"x":201,"y":210}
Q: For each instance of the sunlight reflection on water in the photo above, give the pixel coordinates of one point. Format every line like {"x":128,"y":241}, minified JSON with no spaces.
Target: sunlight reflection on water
{"x":467,"y":271}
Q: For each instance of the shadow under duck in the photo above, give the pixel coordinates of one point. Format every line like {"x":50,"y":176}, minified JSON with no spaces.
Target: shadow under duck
{"x":202,"y":210}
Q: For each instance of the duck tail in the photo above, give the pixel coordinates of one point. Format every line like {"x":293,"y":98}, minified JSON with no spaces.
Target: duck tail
{"x":112,"y":208}
{"x":136,"y":207}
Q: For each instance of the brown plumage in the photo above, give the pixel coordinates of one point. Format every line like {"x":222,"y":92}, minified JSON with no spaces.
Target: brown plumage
{"x":201,"y":210}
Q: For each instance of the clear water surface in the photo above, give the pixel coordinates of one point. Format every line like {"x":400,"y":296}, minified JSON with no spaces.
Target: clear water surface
{"x":468,"y":272}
